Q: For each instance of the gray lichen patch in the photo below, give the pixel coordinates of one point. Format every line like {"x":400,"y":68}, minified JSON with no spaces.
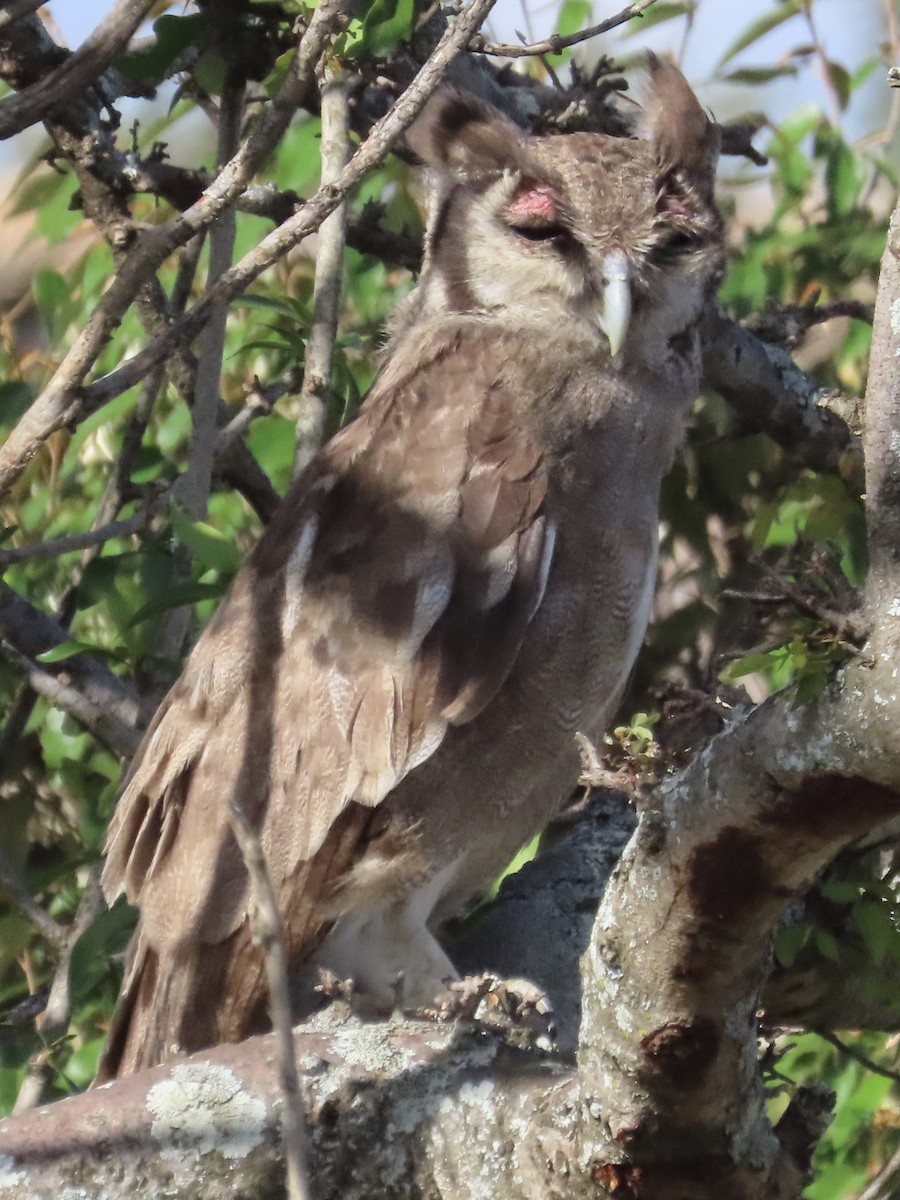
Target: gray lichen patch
{"x":202,"y":1107}
{"x":10,"y":1175}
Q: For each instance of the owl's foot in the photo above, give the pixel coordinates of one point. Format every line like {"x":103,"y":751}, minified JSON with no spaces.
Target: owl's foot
{"x":515,"y":1007}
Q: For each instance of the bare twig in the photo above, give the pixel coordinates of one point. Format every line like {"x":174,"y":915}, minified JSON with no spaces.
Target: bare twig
{"x":182,"y":185}
{"x":555,"y":44}
{"x":329,"y":271}
{"x":259,"y":403}
{"x":857,"y":1055}
{"x":267,"y":933}
{"x":77,"y":71}
{"x":14,"y":885}
{"x":194,"y":485}
{"x":884,"y":1185}
{"x":56,"y":1016}
{"x":75,"y":541}
{"x":57,"y":686}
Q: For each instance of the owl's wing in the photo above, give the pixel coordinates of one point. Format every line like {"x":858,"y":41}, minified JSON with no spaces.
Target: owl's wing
{"x":387,"y":599}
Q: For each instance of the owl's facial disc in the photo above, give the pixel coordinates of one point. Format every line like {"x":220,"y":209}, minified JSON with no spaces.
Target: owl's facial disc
{"x":615,"y":300}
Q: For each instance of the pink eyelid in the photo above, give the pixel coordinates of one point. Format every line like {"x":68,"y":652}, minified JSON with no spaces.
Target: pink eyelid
{"x":536,"y":202}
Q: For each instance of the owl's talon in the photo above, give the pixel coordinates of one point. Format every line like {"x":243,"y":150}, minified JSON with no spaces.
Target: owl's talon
{"x":513,"y":1006}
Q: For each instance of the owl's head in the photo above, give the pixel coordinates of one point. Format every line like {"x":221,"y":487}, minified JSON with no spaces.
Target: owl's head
{"x":620,"y":236}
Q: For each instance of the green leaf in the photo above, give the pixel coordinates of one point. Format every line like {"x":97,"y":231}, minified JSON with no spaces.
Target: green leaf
{"x":845,"y":174}
{"x":573,"y":15}
{"x":174,"y":35}
{"x":759,"y":28}
{"x":351,"y":42}
{"x":748,"y":664}
{"x":876,"y":929}
{"x":790,"y":941}
{"x":178,"y":595}
{"x":827,"y":945}
{"x":15,"y":396}
{"x":759,"y":74}
{"x":53,"y":297}
{"x":210,"y":71}
{"x":273,"y":442}
{"x":107,"y":935}
{"x":839,"y":78}
{"x":388,"y":22}
{"x":65,"y":650}
{"x":657,"y":15}
{"x":209,"y":547}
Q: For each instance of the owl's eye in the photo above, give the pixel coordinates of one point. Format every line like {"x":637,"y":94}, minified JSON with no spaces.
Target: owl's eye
{"x":679,"y":241}
{"x":539,"y":233}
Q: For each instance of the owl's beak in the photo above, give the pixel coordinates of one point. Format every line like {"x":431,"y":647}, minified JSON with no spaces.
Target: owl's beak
{"x":615,"y":304}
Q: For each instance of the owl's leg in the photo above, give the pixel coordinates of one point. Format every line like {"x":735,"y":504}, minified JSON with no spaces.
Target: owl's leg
{"x":390,"y":955}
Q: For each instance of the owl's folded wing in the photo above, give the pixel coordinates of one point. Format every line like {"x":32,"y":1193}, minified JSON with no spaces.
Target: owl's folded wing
{"x":388,"y":599}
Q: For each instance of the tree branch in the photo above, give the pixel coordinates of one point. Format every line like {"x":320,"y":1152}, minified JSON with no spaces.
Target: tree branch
{"x":71,"y":542}
{"x":59,"y":403}
{"x":766,"y":388}
{"x":77,"y":71}
{"x":81,"y":685}
{"x":329,"y":274}
{"x":380,"y":140}
{"x":555,"y":44}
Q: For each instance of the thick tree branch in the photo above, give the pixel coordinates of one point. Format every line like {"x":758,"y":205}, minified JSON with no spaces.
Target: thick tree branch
{"x":14,"y":10}
{"x":764,"y":386}
{"x":404,"y":1109}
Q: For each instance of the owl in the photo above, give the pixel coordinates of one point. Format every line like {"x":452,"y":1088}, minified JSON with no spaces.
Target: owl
{"x":457,"y":583}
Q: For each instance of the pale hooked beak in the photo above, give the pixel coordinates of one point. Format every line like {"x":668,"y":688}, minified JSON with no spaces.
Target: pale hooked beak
{"x":615,"y":305}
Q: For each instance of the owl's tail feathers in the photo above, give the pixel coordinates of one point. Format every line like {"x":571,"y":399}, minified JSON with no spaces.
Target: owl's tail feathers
{"x":164,"y":1006}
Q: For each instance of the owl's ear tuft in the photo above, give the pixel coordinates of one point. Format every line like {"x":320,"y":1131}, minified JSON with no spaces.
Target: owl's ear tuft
{"x":685,"y":140}
{"x":458,"y":134}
